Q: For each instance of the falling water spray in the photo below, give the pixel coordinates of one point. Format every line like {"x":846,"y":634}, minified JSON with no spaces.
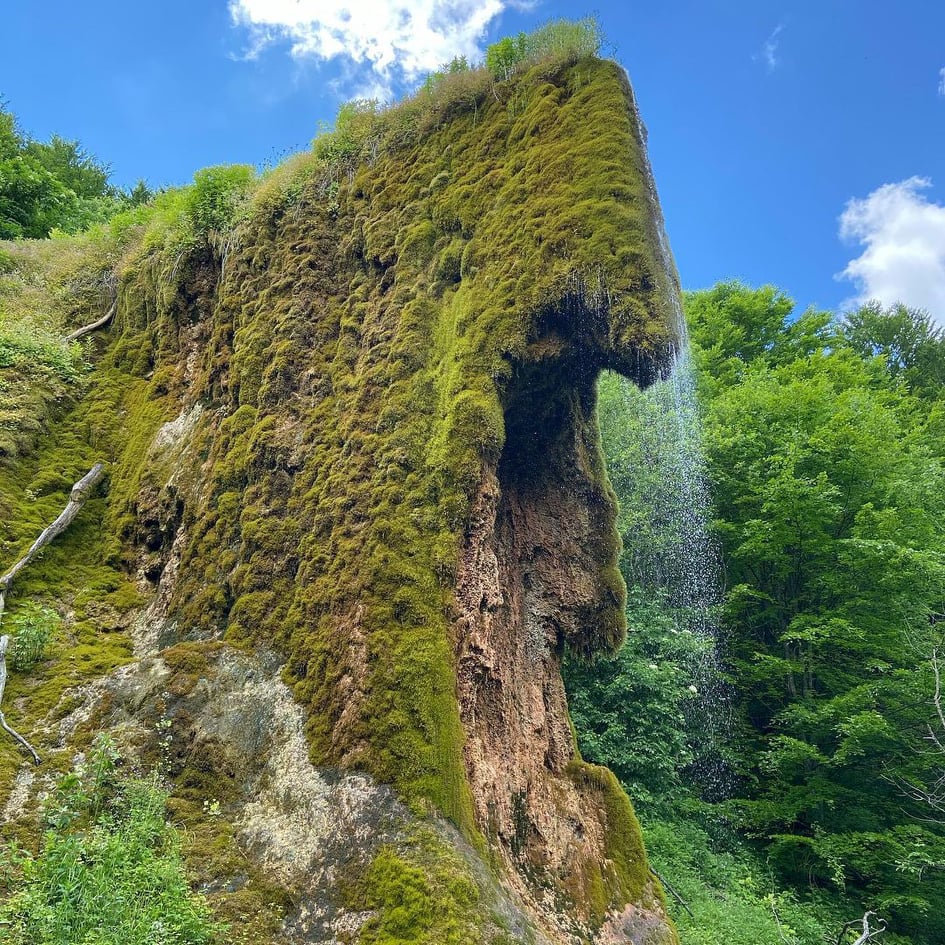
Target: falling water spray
{"x":676,"y":557}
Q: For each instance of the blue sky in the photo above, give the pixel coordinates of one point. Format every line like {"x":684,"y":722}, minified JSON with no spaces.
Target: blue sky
{"x":791,"y":141}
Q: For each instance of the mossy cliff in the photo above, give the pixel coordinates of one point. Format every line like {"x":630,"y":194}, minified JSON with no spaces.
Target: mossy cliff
{"x":352,"y":433}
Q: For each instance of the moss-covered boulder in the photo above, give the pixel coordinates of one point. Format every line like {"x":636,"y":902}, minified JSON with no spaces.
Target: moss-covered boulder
{"x":350,"y":429}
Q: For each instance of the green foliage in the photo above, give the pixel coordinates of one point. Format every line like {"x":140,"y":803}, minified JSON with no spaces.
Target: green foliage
{"x":31,"y":629}
{"x":503,"y":57}
{"x":216,"y":195}
{"x":342,"y":144}
{"x":67,"y":161}
{"x":629,"y":709}
{"x":205,"y":212}
{"x":730,"y":896}
{"x":565,"y":39}
{"x":37,"y":370}
{"x":28,"y":347}
{"x":911,"y":346}
{"x":108,"y":871}
{"x":49,"y":186}
{"x":733,"y":326}
{"x":824,"y":450}
{"x":140,"y":194}
{"x":830,"y":497}
{"x":456,"y":66}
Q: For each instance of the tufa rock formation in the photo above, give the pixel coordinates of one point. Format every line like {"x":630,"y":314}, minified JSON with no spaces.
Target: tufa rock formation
{"x":356,"y":507}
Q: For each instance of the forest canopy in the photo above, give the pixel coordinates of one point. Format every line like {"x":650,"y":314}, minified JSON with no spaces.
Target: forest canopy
{"x":53,"y":185}
{"x":823,"y":451}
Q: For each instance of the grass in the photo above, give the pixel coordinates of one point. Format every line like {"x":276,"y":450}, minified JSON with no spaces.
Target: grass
{"x":730,"y":895}
{"x":109,"y":870}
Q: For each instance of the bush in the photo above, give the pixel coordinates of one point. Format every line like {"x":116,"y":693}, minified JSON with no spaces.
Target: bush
{"x":109,"y":871}
{"x":341,"y":146}
{"x":632,"y":710}
{"x":26,"y":346}
{"x":217,"y":193}
{"x":184,"y":217}
{"x":31,"y":629}
{"x":560,"y":40}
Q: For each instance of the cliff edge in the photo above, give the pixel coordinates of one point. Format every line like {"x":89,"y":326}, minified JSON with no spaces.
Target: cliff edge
{"x":356,"y":508}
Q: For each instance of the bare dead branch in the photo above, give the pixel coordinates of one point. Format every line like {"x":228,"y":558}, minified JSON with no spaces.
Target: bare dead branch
{"x":777,"y":922}
{"x":932,"y":794}
{"x":867,"y":934}
{"x":937,"y":696}
{"x":666,"y":885}
{"x":846,"y":928}
{"x":16,"y":736}
{"x":100,"y":323}
{"x":80,"y":492}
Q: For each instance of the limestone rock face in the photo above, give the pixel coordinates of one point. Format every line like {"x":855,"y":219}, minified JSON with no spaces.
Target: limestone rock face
{"x":358,"y":498}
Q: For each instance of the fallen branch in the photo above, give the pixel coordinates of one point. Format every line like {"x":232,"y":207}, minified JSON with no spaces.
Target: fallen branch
{"x":85,"y":329}
{"x":666,"y":885}
{"x":15,"y":735}
{"x":868,"y":934}
{"x":80,"y":492}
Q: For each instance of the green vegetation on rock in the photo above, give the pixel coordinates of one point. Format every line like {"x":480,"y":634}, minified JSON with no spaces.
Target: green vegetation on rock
{"x":546,"y":205}
{"x":108,"y":872}
{"x":340,"y":339}
{"x":423,"y":895}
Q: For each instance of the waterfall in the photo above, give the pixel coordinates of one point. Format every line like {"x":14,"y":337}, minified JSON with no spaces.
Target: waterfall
{"x":670,"y":553}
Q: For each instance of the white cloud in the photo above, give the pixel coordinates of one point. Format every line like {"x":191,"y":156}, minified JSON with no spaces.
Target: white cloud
{"x":903,"y":235}
{"x":941,"y":81}
{"x":769,"y":52}
{"x":389,"y":39}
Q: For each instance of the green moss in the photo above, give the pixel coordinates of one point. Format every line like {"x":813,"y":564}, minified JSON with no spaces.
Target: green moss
{"x":355,"y":357}
{"x":81,"y":573}
{"x":423,"y":894}
{"x":417,"y":242}
{"x":240,"y":894}
{"x":189,"y":662}
{"x":332,"y":348}
{"x":627,"y":876}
